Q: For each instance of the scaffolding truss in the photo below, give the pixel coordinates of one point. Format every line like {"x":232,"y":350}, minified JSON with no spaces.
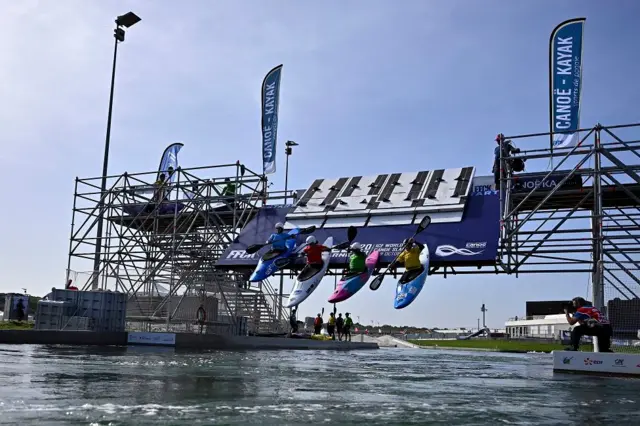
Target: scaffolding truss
{"x":161,"y":243}
{"x":594,"y":228}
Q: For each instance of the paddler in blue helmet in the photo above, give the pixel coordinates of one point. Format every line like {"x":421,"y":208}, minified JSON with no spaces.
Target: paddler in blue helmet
{"x":356,"y":260}
{"x":279,"y":239}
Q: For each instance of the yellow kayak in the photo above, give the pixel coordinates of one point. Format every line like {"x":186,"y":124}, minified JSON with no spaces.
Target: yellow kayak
{"x":320,"y":337}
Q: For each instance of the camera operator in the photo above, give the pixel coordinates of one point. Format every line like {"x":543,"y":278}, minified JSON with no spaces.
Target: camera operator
{"x":508,"y":149}
{"x":591,"y":322}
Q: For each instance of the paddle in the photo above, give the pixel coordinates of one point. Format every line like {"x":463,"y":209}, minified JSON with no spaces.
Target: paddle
{"x":375,"y":284}
{"x":255,"y":247}
{"x":352,"y":231}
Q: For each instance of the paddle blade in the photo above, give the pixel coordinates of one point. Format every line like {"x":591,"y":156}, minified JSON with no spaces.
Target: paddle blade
{"x":426,"y":221}
{"x":254,"y":248}
{"x":352,"y":232}
{"x":375,"y":284}
{"x":308,"y":230}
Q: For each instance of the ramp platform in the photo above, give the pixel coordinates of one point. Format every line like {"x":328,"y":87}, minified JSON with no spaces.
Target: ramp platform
{"x":599,"y":363}
{"x":386,"y":209}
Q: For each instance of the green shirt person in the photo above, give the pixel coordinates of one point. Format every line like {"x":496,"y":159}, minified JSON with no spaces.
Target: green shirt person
{"x":356,"y":259}
{"x":229,"y":188}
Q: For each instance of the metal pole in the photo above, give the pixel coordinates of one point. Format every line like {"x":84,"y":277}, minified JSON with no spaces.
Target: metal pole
{"x":280,"y":291}
{"x":598,"y":255}
{"x":286,"y":176}
{"x":105,"y":166}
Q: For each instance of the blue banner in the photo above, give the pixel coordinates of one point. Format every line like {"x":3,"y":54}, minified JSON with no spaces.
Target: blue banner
{"x":565,"y":81}
{"x":474,"y":241}
{"x":270,"y":103}
{"x":169,"y":160}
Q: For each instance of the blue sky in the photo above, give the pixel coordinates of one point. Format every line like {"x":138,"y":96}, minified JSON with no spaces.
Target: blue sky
{"x":367,"y":88}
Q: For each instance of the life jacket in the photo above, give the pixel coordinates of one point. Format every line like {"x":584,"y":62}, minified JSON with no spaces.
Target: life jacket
{"x":317,"y":321}
{"x":332,"y":320}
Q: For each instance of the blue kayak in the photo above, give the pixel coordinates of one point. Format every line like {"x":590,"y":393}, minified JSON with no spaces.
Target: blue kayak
{"x":274,"y":260}
{"x":411,"y":283}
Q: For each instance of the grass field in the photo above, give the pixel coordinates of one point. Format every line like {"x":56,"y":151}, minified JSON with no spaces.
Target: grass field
{"x":16,"y":325}
{"x":496,"y":345}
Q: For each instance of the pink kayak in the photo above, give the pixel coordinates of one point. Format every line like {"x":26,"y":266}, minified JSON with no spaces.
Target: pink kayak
{"x":350,"y":284}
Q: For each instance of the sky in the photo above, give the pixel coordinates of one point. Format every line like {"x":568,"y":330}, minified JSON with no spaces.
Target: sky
{"x":367,"y":88}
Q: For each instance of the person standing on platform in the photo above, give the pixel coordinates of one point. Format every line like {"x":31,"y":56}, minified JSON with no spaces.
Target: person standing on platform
{"x":340,"y":326}
{"x":160,"y":188}
{"x":331,"y":326}
{"x":293,"y":321}
{"x":348,"y":323}
{"x":591,"y":322}
{"x":229,"y":188}
{"x":317,"y":325}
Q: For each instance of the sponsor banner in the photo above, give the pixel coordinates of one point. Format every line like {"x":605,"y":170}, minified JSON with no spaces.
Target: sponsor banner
{"x":472,"y":241}
{"x":565,"y":81}
{"x":616,"y":363}
{"x":159,"y":339}
{"x":270,"y":103}
{"x":529,"y":182}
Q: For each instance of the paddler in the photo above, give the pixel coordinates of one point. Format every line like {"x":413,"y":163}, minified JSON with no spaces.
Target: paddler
{"x":410,"y":257}
{"x":356,"y":260}
{"x":348,"y":323}
{"x":317,"y":325}
{"x":331,"y":326}
{"x":313,"y":251}
{"x":278,"y":240}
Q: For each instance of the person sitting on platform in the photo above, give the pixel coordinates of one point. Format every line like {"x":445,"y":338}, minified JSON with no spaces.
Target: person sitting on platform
{"x":592,"y":322}
{"x":313,"y":251}
{"x":278,"y":240}
{"x":356,"y":260}
{"x":410,"y":257}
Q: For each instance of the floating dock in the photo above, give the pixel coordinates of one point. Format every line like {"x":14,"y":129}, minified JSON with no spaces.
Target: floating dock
{"x":598,"y":363}
{"x":177,"y":340}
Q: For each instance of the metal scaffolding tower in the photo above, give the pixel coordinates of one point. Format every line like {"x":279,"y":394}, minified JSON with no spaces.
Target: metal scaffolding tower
{"x":161,"y":244}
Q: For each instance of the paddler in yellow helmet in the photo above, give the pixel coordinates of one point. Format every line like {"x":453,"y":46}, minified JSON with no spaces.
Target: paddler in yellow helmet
{"x":410,"y":257}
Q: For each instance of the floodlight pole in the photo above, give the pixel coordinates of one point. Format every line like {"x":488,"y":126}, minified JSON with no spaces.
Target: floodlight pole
{"x":288,"y":151}
{"x":483,"y":309}
{"x":126,"y":20}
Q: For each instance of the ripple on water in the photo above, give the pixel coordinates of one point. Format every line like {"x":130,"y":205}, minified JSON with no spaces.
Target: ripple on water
{"x":390,"y":386}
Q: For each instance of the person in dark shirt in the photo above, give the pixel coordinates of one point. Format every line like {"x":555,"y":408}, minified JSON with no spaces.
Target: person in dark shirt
{"x":591,"y":322}
{"x":340,"y":326}
{"x":507,"y":150}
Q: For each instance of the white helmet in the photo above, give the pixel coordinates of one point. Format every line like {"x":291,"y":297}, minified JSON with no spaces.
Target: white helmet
{"x":279,"y":225}
{"x":356,"y":246}
{"x":311,"y":239}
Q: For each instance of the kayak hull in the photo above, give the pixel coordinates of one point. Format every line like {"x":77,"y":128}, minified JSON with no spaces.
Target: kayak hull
{"x":407,"y":292}
{"x":303,"y":289}
{"x":268,"y":267}
{"x":347,"y":287}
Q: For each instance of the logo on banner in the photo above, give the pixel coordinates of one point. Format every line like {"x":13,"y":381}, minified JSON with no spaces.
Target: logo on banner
{"x":479,"y":190}
{"x":241,"y":254}
{"x":567,"y":360}
{"x":449,"y":250}
{"x":619,"y":363}
{"x":589,"y":361}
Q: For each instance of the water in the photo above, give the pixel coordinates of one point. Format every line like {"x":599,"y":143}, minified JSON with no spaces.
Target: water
{"x":48,"y":385}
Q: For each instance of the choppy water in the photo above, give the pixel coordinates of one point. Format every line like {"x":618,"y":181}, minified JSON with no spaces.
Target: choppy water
{"x":153,"y":386}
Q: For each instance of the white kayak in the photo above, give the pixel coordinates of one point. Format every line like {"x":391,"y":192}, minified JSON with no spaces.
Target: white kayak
{"x":309,"y":279}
